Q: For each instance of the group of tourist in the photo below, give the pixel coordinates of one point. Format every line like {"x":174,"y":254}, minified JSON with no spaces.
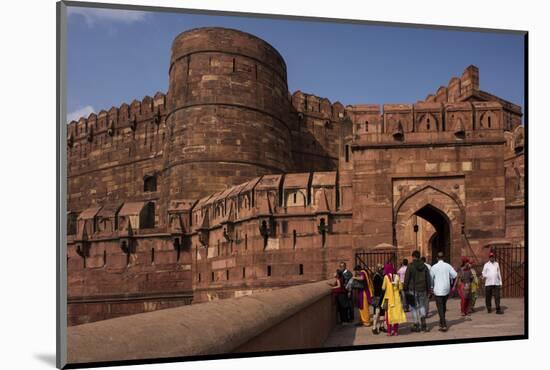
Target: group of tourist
{"x":392,"y":293}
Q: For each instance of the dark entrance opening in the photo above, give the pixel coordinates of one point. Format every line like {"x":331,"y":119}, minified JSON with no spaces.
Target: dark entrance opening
{"x":440,"y":241}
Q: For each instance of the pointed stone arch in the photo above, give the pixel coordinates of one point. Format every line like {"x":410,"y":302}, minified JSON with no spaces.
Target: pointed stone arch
{"x":422,"y":189}
{"x":443,"y":211}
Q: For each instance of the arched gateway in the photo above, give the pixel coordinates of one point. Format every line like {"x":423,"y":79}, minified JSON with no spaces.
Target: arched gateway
{"x":430,"y":220}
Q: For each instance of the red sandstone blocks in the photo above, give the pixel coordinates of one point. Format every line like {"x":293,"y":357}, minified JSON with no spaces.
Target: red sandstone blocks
{"x":231,"y":120}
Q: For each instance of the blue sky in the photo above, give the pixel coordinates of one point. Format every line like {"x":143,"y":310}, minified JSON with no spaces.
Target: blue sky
{"x":116,"y":56}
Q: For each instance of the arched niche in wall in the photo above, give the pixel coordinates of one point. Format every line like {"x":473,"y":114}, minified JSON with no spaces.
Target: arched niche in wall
{"x":427,"y":122}
{"x":488,"y":120}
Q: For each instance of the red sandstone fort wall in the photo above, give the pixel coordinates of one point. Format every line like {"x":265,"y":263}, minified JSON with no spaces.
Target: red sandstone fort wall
{"x":109,"y":154}
{"x":457,"y":149}
{"x":256,"y":189}
{"x":108,"y":282}
{"x":317,"y":138}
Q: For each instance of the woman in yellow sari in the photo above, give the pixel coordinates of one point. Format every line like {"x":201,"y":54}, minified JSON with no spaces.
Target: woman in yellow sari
{"x":392,"y":300}
{"x":364,"y":295}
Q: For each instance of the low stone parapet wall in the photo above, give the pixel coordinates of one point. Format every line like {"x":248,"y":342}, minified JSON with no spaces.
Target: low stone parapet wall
{"x":297,"y":317}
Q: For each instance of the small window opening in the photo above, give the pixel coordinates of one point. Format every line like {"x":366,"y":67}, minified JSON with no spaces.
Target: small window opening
{"x":212,"y":275}
{"x":489,"y":121}
{"x":244,"y":273}
{"x":152,"y":255}
{"x":104,"y":258}
{"x":301,"y":269}
{"x":149,"y":183}
{"x":294,"y":239}
{"x":226,"y":274}
{"x":199,"y":277}
{"x":147,"y":218}
{"x":295,"y":198}
{"x":269,"y":270}
{"x":245,"y":241}
{"x":347,"y":153}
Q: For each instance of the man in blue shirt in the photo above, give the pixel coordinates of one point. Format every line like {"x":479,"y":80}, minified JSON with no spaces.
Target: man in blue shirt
{"x":442,"y":273}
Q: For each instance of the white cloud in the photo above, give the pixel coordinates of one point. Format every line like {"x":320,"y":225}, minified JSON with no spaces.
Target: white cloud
{"x":82,"y":112}
{"x":93,"y":16}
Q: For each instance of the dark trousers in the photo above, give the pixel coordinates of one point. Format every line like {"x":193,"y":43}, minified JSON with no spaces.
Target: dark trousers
{"x":349,"y":309}
{"x":441,"y":303}
{"x":491,"y":290}
{"x":342,"y":303}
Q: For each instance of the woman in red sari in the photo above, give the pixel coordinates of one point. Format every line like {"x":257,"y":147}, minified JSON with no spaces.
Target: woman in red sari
{"x":463,"y":284}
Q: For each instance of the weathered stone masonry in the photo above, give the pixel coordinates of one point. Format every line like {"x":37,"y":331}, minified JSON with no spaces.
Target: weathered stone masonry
{"x":229,"y":184}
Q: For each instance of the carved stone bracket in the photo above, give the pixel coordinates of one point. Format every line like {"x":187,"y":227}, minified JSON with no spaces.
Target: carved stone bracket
{"x":83,"y":249}
{"x":266,"y":228}
{"x":203,"y":237}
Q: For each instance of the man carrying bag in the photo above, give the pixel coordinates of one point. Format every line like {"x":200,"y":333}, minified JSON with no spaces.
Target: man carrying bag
{"x":417,"y":286}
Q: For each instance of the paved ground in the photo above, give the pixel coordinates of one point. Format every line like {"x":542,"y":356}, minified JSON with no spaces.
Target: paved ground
{"x":480,"y":324}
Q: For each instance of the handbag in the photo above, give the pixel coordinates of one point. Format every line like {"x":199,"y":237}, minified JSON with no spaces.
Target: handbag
{"x":385,"y":304}
{"x":409,"y":297}
{"x":358,"y":284}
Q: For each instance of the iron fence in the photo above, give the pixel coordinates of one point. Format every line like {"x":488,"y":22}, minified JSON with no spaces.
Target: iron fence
{"x":369,"y":260}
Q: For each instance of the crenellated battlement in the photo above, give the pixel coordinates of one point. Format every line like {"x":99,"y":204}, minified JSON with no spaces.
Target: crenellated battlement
{"x":466,"y":89}
{"x":116,"y":119}
{"x":104,"y":148}
{"x":458,"y":89}
{"x":317,"y":107}
{"x":396,"y":121}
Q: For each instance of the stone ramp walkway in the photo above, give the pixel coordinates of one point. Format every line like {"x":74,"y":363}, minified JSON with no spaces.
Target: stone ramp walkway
{"x":481,"y":324}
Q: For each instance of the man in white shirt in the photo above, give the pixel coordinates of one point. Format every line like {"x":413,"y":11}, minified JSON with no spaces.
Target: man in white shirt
{"x":493,"y":282}
{"x":441,"y":274}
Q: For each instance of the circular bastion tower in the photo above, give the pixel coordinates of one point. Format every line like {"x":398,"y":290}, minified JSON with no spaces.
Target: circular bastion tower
{"x":228,"y":112}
